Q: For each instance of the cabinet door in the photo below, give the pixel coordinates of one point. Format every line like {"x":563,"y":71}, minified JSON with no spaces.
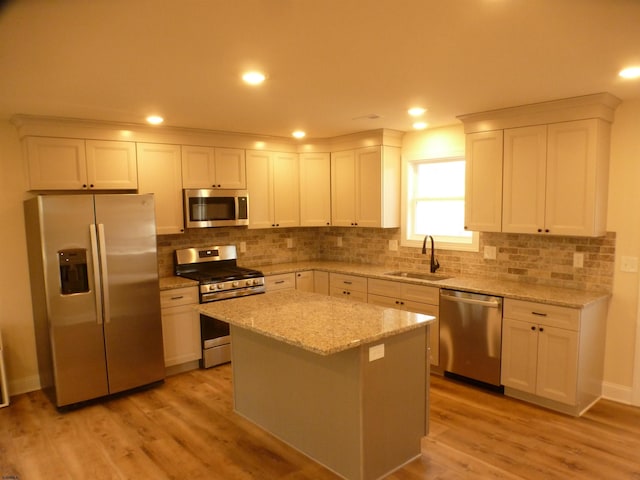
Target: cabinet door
{"x":111,"y":165}
{"x":557,"y":364}
{"x":56,"y":163}
{"x":343,"y":180}
{"x":519,"y":355}
{"x":434,"y":328}
{"x":304,"y":281}
{"x":197,"y":167}
{"x":181,"y":335}
{"x":525,"y":166}
{"x":230,"y":168}
{"x":368,"y":187}
{"x":286,"y":189}
{"x":259,"y":184}
{"x":281,"y":281}
{"x":321,"y":282}
{"x":315,"y":189}
{"x":159,"y":172}
{"x":573,"y":183}
{"x":483,"y":182}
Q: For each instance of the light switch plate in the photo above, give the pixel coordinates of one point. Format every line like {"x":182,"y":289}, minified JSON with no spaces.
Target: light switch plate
{"x":339,"y":241}
{"x":289,"y":242}
{"x":629,"y":264}
{"x":578,"y":260}
{"x":376,"y":352}
{"x":243,"y":247}
{"x":393,"y":245}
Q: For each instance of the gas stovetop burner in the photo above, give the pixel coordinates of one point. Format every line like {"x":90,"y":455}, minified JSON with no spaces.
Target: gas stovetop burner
{"x":216,"y":270}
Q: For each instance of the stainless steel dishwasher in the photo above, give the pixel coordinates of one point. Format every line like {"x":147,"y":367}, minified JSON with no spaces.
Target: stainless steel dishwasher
{"x":471,"y":335}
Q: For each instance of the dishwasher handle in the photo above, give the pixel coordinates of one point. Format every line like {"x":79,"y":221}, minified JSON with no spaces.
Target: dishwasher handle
{"x":494,"y":302}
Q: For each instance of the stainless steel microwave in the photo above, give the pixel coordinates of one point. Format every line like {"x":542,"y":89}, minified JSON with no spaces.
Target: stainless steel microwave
{"x":207,"y":207}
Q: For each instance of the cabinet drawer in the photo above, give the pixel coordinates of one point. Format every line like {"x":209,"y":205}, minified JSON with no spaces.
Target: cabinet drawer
{"x":178,"y":296}
{"x":280,"y":282}
{"x":350,"y":282}
{"x":387,"y":288}
{"x":543,"y":314}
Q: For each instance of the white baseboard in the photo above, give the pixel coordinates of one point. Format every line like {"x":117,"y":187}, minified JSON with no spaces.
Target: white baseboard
{"x":617,"y":393}
{"x":24,"y":385}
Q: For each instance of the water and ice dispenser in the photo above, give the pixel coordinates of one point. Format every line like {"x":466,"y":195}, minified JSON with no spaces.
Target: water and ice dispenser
{"x":73,"y":271}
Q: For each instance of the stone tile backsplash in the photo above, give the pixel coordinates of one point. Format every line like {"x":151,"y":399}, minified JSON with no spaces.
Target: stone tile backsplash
{"x":540,"y":259}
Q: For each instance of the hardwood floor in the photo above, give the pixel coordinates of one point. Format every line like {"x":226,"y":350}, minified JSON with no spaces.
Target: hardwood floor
{"x":186,"y":429}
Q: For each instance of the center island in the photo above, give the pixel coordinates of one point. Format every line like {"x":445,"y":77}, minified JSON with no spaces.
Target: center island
{"x":345,"y":383}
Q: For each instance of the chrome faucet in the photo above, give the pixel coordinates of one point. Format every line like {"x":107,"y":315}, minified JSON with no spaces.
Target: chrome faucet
{"x":435,"y":265}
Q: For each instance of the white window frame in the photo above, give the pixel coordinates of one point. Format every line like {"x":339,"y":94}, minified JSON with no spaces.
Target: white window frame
{"x":407,"y":239}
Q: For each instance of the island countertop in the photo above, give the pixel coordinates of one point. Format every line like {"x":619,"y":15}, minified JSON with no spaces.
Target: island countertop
{"x":317,"y":323}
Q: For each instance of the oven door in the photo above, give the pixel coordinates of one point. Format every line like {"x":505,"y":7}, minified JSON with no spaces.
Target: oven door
{"x":216,"y":341}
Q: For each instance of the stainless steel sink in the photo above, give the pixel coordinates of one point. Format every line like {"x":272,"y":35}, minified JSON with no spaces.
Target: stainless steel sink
{"x":418,"y":275}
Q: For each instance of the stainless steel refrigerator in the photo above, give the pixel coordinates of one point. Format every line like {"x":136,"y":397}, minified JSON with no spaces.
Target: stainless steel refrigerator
{"x":94,"y":286}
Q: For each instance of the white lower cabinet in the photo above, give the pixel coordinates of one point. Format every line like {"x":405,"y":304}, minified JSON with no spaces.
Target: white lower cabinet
{"x":553,"y":355}
{"x":412,"y":298}
{"x":351,"y":287}
{"x":180,"y":326}
{"x":281,"y":281}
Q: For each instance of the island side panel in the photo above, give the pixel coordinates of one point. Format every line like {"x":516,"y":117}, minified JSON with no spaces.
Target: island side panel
{"x":310,"y":401}
{"x":395,"y":402}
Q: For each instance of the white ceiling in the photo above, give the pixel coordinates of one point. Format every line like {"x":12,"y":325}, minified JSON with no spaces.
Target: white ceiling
{"x":330,"y":63}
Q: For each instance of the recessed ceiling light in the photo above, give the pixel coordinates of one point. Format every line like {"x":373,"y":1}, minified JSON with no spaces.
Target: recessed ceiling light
{"x":420,"y":125}
{"x":253,"y":78}
{"x":416,"y":111}
{"x":631,"y":72}
{"x":155,"y":119}
{"x":299,"y":134}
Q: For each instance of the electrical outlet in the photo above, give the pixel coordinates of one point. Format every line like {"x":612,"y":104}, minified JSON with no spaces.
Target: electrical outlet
{"x":393,"y":245}
{"x":339,"y":241}
{"x":376,"y":352}
{"x":489,"y":252}
{"x":289,"y":242}
{"x":243,"y":247}
{"x":578,"y":260}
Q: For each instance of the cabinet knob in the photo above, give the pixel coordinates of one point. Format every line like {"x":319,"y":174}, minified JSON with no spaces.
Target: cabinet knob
{"x":539,"y":230}
{"x":84,"y":185}
{"x":533,"y":328}
{"x":541,"y":329}
{"x":546,"y":230}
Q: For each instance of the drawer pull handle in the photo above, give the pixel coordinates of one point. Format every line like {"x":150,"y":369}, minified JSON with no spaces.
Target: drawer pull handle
{"x":347,"y":283}
{"x":279,"y":282}
{"x":539,"y":314}
{"x":178,"y":297}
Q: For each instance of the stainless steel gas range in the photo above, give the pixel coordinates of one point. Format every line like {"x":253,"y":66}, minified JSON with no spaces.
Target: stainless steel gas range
{"x":220,"y":278}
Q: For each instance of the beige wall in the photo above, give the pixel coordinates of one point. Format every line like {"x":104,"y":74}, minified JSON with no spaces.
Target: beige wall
{"x":15,"y":300}
{"x":15,"y":310}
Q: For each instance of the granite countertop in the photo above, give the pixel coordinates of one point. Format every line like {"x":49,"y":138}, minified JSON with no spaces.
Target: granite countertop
{"x":516,"y":290}
{"x":317,"y":323}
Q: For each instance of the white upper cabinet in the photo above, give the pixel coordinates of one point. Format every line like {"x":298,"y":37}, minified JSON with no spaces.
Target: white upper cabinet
{"x":525,"y":173}
{"x":75,"y":164}
{"x":483,"y":182}
{"x":315,"y":189}
{"x":555,"y":178}
{"x":550,"y":172}
{"x":208,"y":167}
{"x":159,"y":173}
{"x":274,"y":191}
{"x":365,"y":187}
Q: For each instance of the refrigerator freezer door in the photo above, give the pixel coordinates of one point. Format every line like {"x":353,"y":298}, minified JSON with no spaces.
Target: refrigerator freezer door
{"x":75,"y":332}
{"x":132,"y":323}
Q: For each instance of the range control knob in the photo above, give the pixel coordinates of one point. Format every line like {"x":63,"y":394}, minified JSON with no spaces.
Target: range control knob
{"x":249,"y":282}
{"x":235,"y":284}
{"x":220,"y":286}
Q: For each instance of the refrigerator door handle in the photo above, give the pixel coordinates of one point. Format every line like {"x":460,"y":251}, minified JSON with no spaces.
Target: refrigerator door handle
{"x":96,"y":271}
{"x":104,"y":273}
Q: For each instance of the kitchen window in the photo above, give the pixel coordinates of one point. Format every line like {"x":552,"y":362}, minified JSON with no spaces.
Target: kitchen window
{"x":434,"y":204}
